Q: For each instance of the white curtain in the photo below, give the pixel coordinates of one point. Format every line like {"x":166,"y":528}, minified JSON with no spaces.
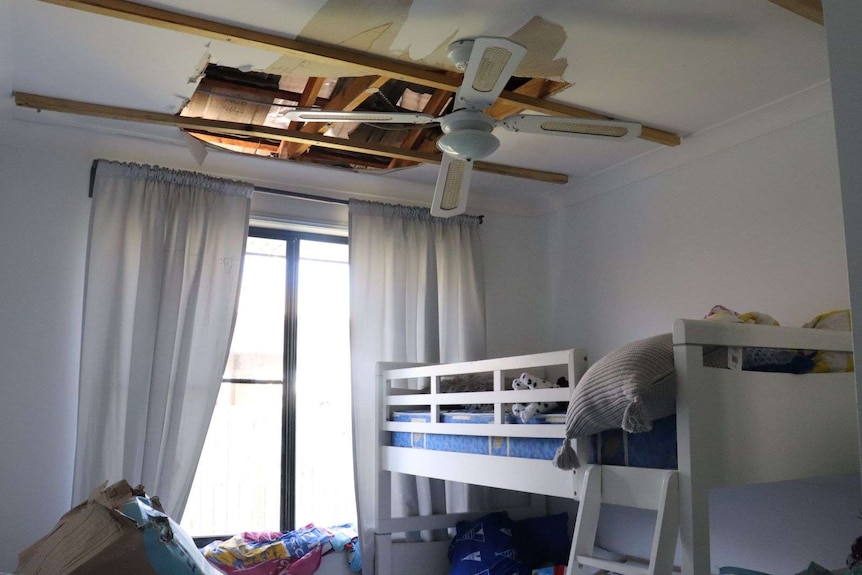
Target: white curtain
{"x":416,"y":294}
{"x":163,"y":272}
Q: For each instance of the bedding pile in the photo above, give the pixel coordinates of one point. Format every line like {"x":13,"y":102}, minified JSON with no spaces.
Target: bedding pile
{"x":497,"y":545}
{"x":468,"y":383}
{"x":756,"y":358}
{"x":297,"y":552}
{"x":635,"y":385}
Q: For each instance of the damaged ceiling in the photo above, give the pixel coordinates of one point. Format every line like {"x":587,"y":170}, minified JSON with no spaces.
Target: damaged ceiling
{"x":677,"y":68}
{"x":231,"y":95}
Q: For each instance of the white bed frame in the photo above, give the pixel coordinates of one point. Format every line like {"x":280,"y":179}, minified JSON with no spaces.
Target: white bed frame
{"x":733,"y":427}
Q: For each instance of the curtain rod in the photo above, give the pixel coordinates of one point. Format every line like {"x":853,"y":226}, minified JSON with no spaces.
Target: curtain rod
{"x":262,"y":190}
{"x":301,"y":196}
{"x":314,"y":198}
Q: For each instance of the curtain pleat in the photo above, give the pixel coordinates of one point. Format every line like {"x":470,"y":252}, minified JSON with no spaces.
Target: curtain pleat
{"x":417,"y":294}
{"x":163,"y":271}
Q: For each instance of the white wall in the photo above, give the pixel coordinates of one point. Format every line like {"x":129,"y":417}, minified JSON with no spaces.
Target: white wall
{"x":5,"y":48}
{"x":43,"y":231}
{"x":756,"y":225}
{"x":517,"y":283}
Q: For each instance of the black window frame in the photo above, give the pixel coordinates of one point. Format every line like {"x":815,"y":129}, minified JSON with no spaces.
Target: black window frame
{"x":288,"y":435}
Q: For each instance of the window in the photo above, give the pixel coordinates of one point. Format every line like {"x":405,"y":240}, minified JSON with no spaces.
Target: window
{"x":278,"y":453}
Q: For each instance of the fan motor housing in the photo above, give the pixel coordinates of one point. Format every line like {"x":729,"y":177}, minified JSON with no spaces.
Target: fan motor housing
{"x":467,"y":135}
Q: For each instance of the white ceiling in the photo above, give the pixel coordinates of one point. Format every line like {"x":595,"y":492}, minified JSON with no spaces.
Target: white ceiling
{"x":678,"y":65}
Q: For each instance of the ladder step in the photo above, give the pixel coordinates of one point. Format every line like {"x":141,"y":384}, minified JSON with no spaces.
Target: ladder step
{"x":613,"y":566}
{"x":626,"y":486}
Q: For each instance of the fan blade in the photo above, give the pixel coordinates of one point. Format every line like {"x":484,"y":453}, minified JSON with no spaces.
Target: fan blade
{"x":453,"y":183}
{"x":492,"y":62}
{"x":325,"y":116}
{"x":573,"y":127}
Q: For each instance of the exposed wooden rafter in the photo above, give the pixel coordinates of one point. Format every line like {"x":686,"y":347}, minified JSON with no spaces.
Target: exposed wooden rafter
{"x":435,"y":106}
{"x":535,"y":88}
{"x":221,"y":127}
{"x":356,"y":92}
{"x":368,"y":63}
{"x":306,"y":100}
{"x":255,"y":94}
{"x":810,"y":9}
{"x":234,"y":141}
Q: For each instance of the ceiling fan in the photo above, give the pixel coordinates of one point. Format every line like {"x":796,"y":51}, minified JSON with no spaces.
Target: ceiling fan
{"x":488,"y":63}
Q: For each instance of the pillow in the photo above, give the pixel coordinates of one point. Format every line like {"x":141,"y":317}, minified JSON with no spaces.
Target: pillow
{"x":485,"y":546}
{"x":541,"y":540}
{"x":628,"y":388}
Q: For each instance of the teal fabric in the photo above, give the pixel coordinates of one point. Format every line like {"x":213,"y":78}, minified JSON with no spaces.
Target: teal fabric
{"x":169,"y":549}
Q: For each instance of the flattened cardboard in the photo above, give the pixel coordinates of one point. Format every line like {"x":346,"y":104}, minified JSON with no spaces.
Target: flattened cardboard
{"x":94,"y":538}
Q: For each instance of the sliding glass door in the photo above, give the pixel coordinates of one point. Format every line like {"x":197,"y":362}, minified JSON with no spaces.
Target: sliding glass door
{"x":278,"y":453}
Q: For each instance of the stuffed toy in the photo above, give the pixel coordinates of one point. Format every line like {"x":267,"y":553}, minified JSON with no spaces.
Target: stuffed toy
{"x":528,"y":381}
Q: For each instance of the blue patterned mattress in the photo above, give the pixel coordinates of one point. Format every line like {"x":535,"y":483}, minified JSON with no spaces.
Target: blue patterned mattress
{"x":655,"y":449}
{"x":528,"y":447}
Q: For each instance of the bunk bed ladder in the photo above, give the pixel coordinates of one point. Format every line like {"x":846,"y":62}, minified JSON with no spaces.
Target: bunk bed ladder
{"x":626,"y":486}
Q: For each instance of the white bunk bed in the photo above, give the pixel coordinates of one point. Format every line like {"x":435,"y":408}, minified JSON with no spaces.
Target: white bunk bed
{"x":733,"y":427}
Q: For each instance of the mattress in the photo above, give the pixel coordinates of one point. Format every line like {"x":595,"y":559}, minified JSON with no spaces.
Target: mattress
{"x":654,"y":449}
{"x":526,"y":447}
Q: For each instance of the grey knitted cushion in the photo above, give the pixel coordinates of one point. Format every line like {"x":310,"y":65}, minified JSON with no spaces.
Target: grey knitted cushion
{"x":628,"y":388}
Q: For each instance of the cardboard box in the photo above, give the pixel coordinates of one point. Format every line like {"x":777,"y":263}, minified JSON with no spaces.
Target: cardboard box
{"x":119,"y":530}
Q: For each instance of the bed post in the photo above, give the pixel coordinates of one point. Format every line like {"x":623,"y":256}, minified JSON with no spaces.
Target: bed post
{"x":383,"y":496}
{"x":692,"y":449}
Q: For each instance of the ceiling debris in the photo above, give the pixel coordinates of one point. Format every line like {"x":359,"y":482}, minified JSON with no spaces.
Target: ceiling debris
{"x":262,"y":99}
{"x":349,"y":56}
{"x":543,"y":41}
{"x":369,"y":63}
{"x":365,"y":26}
{"x":371,"y":26}
{"x":205,"y":60}
{"x":368,"y":26}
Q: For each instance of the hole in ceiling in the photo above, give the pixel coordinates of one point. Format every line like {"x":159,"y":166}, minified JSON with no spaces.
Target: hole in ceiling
{"x":261,"y":99}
